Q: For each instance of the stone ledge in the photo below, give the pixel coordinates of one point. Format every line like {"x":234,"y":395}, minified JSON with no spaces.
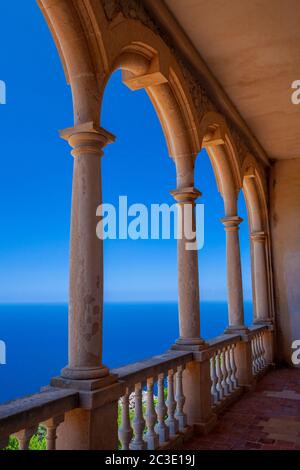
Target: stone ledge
{"x":138,"y":372}
{"x":34,"y":409}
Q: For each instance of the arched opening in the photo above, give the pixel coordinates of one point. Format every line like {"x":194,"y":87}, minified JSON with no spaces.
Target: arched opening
{"x":254,"y":201}
{"x":224,"y":159}
{"x":246,"y":259}
{"x":212,"y":257}
{"x":258,"y":228}
{"x":140,"y":276}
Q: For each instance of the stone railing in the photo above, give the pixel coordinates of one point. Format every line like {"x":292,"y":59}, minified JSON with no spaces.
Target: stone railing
{"x":223,"y":369}
{"x":152,"y":408}
{"x":22,"y":417}
{"x":259,"y":338}
{"x":238,"y":361}
{"x":161,"y":400}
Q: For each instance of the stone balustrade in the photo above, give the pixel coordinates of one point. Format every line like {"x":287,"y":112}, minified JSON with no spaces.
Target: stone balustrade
{"x":259,"y":336}
{"x":232,"y":356}
{"x":153,"y":407}
{"x":223,"y":369}
{"x":154,"y":411}
{"x":22,"y":417}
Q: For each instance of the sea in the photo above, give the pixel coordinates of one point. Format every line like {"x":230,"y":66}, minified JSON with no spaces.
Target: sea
{"x":36,"y":338}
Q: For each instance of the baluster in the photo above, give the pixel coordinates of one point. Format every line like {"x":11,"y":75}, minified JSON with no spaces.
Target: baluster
{"x":138,"y":423}
{"x":24,"y":437}
{"x":263,"y":352}
{"x":161,"y":411}
{"x":171,"y":421}
{"x":254,"y":365}
{"x":224,"y":373}
{"x":125,"y":432}
{"x":151,"y":418}
{"x":180,"y":400}
{"x":260,"y":359}
{"x":257,"y":355}
{"x":252,"y":355}
{"x":214,"y":379}
{"x":219,"y":375}
{"x":51,"y":426}
{"x":233,"y":367}
{"x":228,"y":368}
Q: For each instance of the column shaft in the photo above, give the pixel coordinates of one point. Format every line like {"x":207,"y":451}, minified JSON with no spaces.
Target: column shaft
{"x":234,"y":274}
{"x":86,"y":256}
{"x":188,"y":277}
{"x":260,"y":277}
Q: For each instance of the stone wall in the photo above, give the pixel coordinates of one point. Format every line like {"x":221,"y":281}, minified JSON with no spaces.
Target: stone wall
{"x":285,"y":229}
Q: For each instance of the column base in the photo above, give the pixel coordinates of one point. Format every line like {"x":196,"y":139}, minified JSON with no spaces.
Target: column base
{"x":83,"y":385}
{"x":91,"y":393}
{"x":84,"y":373}
{"x":235,"y":329}
{"x":189,"y":344}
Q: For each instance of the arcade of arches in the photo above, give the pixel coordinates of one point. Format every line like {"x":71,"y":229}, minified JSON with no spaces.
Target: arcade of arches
{"x":94,"y":38}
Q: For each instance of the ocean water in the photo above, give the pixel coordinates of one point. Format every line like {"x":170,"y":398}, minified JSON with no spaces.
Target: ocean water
{"x":36,"y":338}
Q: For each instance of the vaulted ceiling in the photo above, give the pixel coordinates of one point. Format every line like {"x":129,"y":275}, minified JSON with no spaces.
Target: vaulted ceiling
{"x":252,"y":47}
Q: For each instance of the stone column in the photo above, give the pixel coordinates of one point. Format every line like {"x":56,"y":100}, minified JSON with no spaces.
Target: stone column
{"x":260,"y":277}
{"x":196,"y":377}
{"x":234,"y":275}
{"x":188,"y":278}
{"x":86,"y":255}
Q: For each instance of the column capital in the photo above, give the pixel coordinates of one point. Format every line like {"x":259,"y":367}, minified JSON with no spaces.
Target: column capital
{"x":258,"y":236}
{"x":188,"y":194}
{"x":231,"y":222}
{"x":87,"y":138}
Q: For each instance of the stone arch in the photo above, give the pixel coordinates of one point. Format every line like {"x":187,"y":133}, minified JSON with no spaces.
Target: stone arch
{"x":226,"y":159}
{"x":217,"y":140}
{"x":255,"y":195}
{"x":163,"y":93}
{"x":65,"y":25}
{"x":92,"y":47}
{"x":96,"y":38}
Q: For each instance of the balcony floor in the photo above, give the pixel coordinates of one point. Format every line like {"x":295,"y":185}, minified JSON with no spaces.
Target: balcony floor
{"x":267,"y":418}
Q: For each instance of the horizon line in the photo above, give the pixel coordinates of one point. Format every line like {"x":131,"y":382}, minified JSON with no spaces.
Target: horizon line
{"x":145,"y":301}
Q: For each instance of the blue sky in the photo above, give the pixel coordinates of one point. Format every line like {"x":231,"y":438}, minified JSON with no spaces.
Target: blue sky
{"x":36,"y":177}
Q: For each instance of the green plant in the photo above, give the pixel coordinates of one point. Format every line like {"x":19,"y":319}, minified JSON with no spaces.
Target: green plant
{"x":37,"y":442}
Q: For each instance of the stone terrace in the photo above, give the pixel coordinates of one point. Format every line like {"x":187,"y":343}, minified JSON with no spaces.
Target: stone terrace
{"x":267,"y":418}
